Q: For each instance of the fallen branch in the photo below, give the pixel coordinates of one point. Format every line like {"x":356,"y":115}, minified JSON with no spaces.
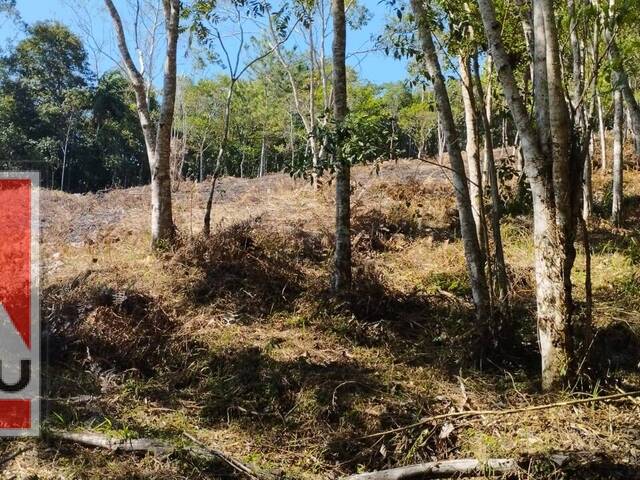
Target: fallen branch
{"x":577,"y":464}
{"x":157,"y":447}
{"x":249,"y":471}
{"x":90,"y":439}
{"x":474,"y":413}
{"x":467,"y":467}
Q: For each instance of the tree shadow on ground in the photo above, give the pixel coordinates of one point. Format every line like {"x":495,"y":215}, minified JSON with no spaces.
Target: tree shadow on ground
{"x":430,"y":328}
{"x":249,"y":383}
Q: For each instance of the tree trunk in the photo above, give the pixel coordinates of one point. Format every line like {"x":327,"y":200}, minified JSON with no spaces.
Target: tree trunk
{"x":440,"y":140}
{"x":65,"y":149}
{"x":587,"y":189}
{"x":501,"y":286}
{"x":473,"y":155}
{"x":549,"y":184}
{"x":263,"y":157}
{"x":162,"y":226}
{"x":620,"y":80}
{"x":206,"y":228}
{"x":618,"y":117}
{"x":472,"y":251}
{"x":201,"y":161}
{"x":342,"y":267}
{"x":158,"y":143}
{"x":601,"y":130}
{"x":315,"y":159}
{"x":487,"y":101}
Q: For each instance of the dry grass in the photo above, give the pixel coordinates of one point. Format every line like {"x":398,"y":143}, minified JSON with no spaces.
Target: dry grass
{"x":236,"y":340}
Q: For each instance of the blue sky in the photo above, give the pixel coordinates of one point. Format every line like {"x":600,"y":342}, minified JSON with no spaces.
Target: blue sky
{"x":374,"y":66}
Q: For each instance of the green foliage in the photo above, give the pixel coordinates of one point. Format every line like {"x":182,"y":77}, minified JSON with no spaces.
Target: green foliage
{"x":51,"y":109}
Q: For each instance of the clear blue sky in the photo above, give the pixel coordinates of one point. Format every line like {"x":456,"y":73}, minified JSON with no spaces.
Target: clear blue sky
{"x":374,"y":66}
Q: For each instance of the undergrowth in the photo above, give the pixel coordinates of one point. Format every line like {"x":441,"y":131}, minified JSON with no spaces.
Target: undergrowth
{"x":237,"y":339}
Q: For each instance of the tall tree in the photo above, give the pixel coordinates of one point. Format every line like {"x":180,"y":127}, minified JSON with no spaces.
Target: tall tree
{"x":619,"y":78}
{"x":476,"y":190}
{"x":157,"y":135}
{"x":551,"y":163}
{"x":501,"y":282}
{"x":472,"y":251}
{"x":342,"y":260}
{"x":206,"y":24}
{"x":47,"y":78}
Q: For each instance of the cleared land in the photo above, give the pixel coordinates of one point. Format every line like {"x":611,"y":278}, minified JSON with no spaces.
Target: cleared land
{"x":236,"y":341}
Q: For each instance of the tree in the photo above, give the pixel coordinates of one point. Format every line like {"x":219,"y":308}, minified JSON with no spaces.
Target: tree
{"x":620,"y":79}
{"x":551,"y":166}
{"x":618,"y":159}
{"x":472,"y":251}
{"x":206,"y":26}
{"x":342,"y":259}
{"x":157,"y":136}
{"x":47,"y":78}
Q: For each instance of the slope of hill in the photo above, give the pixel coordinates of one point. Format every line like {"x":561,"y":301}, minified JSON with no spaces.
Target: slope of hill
{"x":235,"y":340}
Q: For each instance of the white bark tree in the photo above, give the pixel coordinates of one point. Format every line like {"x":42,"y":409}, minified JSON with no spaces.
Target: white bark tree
{"x":550,"y":167}
{"x":473,"y":154}
{"x":157,"y":135}
{"x":501,"y":282}
{"x":472,"y":251}
{"x":619,"y":77}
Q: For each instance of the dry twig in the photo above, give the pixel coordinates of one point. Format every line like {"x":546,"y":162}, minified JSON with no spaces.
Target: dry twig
{"x":473,"y":413}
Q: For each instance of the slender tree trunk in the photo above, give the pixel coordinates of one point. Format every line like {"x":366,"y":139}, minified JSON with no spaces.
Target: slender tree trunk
{"x":206,"y":229}
{"x":65,"y":149}
{"x":315,"y":159}
{"x":620,"y":80}
{"x":473,"y":155}
{"x":441,"y":140}
{"x":292,"y":141}
{"x":158,"y":140}
{"x":579,"y":109}
{"x":263,"y":156}
{"x":201,"y":161}
{"x":603,"y":136}
{"x":549,"y":184}
{"x":487,"y":100}
{"x":473,"y":253}
{"x":501,"y":286}
{"x":342,"y":267}
{"x":505,"y":141}
{"x":618,"y":118}
{"x":587,"y":190}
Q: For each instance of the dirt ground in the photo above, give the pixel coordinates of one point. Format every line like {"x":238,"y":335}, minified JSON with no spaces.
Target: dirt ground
{"x":236,"y":341}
